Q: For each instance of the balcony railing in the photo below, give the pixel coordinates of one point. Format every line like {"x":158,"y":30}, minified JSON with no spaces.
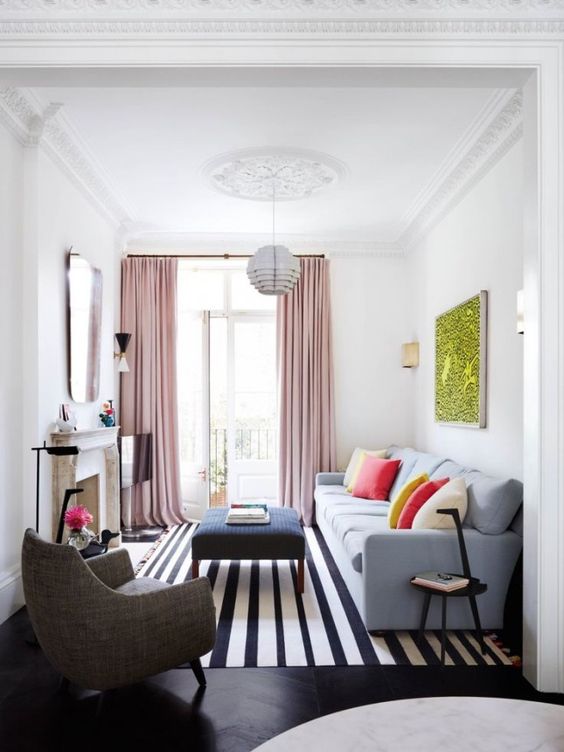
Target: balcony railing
{"x":250,"y":444}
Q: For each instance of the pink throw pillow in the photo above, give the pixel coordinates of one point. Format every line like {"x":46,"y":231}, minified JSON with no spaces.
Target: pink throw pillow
{"x":375,"y":478}
{"x":421,"y":494}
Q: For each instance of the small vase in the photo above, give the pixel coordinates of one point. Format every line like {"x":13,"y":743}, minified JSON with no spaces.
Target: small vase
{"x":80,"y":538}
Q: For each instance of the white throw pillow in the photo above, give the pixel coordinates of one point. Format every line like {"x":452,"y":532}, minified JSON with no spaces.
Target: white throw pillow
{"x":452,"y":495}
{"x":355,"y":457}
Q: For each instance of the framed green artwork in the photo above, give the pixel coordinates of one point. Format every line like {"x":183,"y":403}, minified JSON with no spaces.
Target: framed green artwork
{"x":460,"y":363}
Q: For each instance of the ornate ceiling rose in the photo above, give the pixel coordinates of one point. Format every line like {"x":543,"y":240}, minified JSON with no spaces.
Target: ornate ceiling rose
{"x":258,"y":174}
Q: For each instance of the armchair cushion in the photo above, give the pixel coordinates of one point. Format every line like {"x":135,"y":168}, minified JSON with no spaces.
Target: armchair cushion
{"x":142,"y":585}
{"x":113,"y":569}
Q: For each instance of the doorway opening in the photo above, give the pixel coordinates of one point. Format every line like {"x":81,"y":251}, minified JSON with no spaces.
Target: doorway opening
{"x":226,"y":356}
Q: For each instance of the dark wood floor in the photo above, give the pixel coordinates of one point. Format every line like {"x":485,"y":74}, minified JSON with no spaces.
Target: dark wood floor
{"x":239,"y":709}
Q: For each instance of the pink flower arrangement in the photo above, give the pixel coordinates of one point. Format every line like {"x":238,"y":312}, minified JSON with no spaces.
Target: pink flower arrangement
{"x":77,"y":517}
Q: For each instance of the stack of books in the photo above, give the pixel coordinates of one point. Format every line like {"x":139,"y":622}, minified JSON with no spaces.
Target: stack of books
{"x":440,"y":581}
{"x":248,"y":514}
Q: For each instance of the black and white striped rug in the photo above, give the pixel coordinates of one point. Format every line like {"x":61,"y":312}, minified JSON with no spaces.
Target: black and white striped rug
{"x":264,"y":622}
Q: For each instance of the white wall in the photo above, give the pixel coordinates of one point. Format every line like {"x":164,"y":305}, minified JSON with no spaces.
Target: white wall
{"x":11,"y":393}
{"x":42,"y":213}
{"x":67,"y":218}
{"x":371,"y":319}
{"x":477,"y":246}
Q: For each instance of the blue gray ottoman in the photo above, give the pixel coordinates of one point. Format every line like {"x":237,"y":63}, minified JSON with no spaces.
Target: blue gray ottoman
{"x":283,"y":538}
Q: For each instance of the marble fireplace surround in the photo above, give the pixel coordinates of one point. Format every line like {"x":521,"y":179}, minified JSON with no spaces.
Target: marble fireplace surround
{"x":97,"y":464}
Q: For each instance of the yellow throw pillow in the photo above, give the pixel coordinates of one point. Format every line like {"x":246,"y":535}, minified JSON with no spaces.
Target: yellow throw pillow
{"x":400,"y":501}
{"x":357,"y":461}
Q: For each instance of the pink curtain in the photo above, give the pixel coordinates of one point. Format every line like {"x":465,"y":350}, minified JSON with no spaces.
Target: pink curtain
{"x":306,"y":392}
{"x":148,"y":392}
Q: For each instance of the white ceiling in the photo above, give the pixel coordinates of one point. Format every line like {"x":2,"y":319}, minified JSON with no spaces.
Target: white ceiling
{"x":151,"y":144}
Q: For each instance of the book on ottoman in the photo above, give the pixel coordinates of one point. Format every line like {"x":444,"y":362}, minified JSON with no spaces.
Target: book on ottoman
{"x":248,"y":514}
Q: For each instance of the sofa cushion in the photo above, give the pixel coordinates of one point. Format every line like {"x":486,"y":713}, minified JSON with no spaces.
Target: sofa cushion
{"x":453,"y":495}
{"x":450,"y":469}
{"x":352,"y":530}
{"x":329,"y":501}
{"x":492,"y":502}
{"x":367,"y":508}
{"x":408,"y":458}
{"x":426,"y":463}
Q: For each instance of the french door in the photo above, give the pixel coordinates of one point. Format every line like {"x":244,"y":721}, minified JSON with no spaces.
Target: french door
{"x":226,"y":370}
{"x":251,"y":408}
{"x":193,"y":375}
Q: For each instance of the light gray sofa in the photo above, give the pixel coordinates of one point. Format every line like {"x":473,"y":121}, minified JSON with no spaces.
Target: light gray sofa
{"x":377,"y":562}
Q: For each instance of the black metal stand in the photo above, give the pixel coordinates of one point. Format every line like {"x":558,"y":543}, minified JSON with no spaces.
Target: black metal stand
{"x":58,"y":452}
{"x":474,"y":588}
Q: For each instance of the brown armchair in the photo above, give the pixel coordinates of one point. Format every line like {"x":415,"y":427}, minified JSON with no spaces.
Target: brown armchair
{"x":101,"y":628}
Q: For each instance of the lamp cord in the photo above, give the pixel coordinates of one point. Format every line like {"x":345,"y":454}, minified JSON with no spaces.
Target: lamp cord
{"x":274,"y":224}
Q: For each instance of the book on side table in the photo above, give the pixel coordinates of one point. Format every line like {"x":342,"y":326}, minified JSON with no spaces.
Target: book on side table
{"x":440,"y":581}
{"x":248,"y":514}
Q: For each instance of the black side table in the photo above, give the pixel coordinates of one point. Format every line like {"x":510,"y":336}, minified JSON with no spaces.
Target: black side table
{"x":474,"y":588}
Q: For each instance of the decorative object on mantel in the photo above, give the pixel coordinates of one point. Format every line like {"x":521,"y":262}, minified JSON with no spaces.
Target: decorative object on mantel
{"x":122,"y":338}
{"x":107,"y":416}
{"x":66,"y":422}
{"x":77,"y":519}
{"x":460,"y":363}
{"x":410,"y":355}
{"x":57,"y":451}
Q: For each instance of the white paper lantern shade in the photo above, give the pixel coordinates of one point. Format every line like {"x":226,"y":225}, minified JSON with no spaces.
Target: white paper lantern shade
{"x":273,"y":270}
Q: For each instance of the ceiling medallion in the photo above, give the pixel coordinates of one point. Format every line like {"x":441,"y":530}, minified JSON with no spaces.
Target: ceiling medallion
{"x":260,"y":174}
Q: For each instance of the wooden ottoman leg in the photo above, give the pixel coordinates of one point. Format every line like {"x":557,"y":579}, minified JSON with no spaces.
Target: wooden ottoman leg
{"x":300,"y":575}
{"x":195,"y":568}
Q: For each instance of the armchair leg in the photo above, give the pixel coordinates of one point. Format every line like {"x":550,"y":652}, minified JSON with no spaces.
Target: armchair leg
{"x":196,"y":666}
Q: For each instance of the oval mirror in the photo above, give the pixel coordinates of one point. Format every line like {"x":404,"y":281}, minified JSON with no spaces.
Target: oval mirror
{"x":85,"y":328}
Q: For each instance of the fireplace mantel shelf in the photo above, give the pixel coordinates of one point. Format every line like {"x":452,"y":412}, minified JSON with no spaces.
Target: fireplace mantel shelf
{"x":86,"y":438}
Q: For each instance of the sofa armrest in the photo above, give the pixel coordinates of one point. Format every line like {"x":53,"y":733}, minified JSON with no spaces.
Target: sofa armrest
{"x":329,"y":479}
{"x":113,"y":568}
{"x":403,"y":553}
{"x":390,"y":558}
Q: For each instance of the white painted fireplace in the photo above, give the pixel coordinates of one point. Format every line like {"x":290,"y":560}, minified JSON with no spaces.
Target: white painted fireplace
{"x":95,"y":469}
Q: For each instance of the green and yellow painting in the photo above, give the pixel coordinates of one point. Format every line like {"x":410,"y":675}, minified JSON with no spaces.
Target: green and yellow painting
{"x":460,"y":363}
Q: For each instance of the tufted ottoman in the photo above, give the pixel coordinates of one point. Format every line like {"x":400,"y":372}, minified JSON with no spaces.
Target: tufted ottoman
{"x":283,"y":538}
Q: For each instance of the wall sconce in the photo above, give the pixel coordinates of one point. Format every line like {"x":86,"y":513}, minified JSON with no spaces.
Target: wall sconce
{"x":410,"y":355}
{"x":520,"y":313}
{"x":122,"y":338}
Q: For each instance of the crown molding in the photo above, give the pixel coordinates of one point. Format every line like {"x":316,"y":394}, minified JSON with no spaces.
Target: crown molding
{"x":176,"y":10}
{"x":65,"y":31}
{"x":484,"y":144}
{"x":153,"y":241}
{"x":35,"y":125}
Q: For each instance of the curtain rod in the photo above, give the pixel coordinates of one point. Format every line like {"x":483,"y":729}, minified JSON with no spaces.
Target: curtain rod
{"x":224,"y":256}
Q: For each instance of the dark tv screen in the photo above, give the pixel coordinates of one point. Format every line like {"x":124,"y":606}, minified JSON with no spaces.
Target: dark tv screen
{"x":136,"y":451}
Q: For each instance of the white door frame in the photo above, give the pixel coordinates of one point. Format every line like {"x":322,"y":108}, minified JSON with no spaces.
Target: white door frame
{"x":253,"y":466}
{"x":498,"y":42}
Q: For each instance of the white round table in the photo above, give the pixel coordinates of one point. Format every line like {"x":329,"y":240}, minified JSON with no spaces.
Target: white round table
{"x":432,"y":724}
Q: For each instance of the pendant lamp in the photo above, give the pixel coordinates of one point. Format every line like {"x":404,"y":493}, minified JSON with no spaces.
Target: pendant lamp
{"x":273,"y":270}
